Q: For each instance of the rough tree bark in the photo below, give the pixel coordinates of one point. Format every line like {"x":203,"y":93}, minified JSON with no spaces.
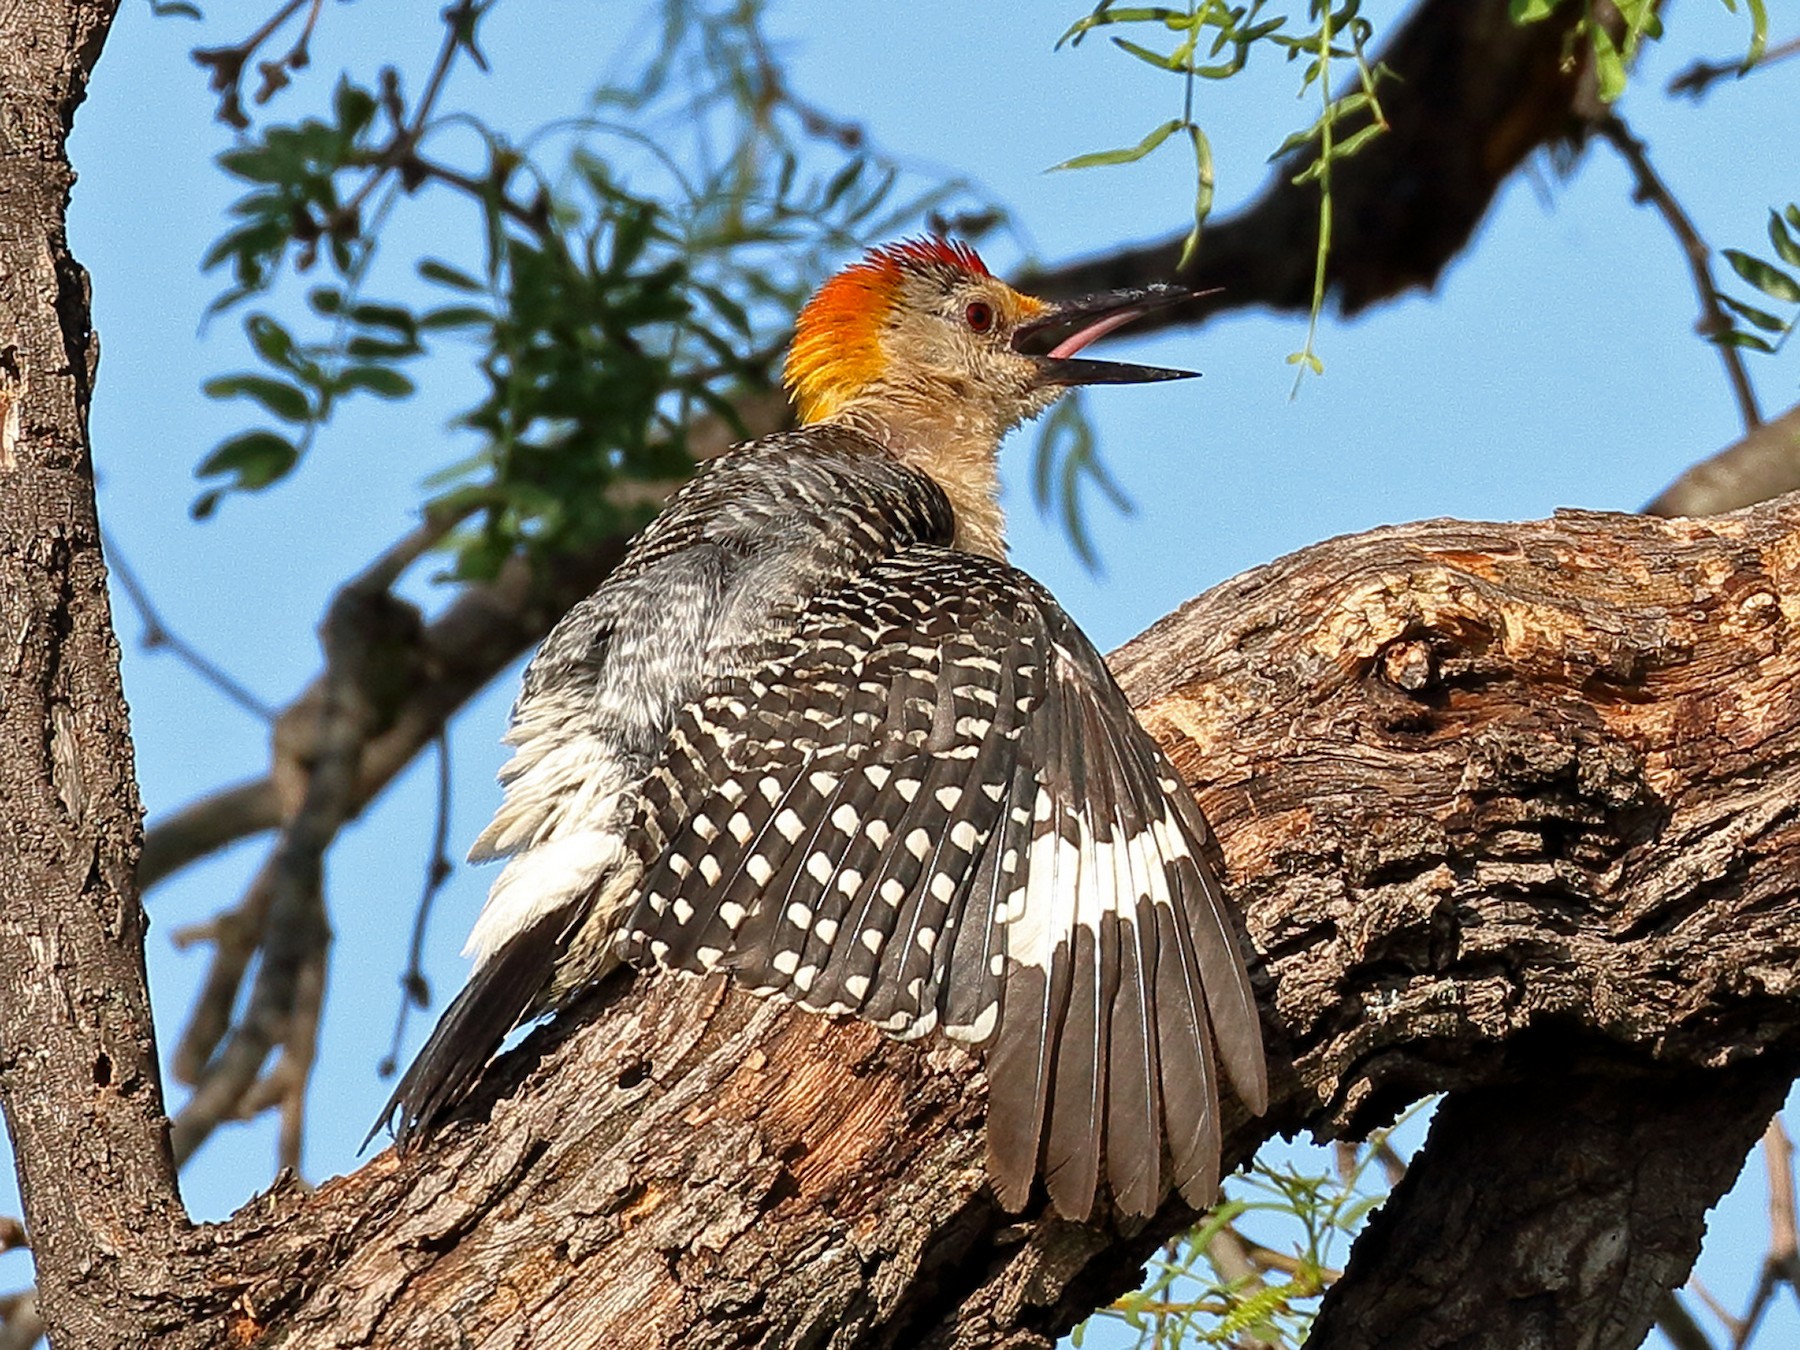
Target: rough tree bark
{"x":1510,"y":810}
{"x":1511,"y":813}
{"x":78,"y":1072}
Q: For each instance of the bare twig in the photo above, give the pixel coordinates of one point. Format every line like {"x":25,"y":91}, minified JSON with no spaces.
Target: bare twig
{"x":236,"y":936}
{"x":240,"y":933}
{"x":1263,"y":1258}
{"x":1781,"y":1265}
{"x":284,"y":1087}
{"x":204,"y":826}
{"x":158,"y":636}
{"x":1230,"y":1256}
{"x":535,"y":217}
{"x":284,"y":1001}
{"x":415,"y":991}
{"x":1713,"y":323}
{"x":1778,"y":1155}
{"x":1678,"y":1324}
{"x":1700,"y":77}
{"x":1731,"y":1324}
{"x":226,"y":64}
{"x":400,"y":153}
{"x":477,"y":636}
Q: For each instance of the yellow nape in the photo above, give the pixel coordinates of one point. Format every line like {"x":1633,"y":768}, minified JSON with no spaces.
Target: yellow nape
{"x":836,"y":352}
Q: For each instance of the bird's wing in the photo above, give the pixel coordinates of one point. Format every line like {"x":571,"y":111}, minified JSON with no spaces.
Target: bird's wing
{"x":933,"y":809}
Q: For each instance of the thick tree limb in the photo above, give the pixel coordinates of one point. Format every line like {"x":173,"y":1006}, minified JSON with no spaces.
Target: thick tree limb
{"x":1575,"y":1202}
{"x":1510,"y":812}
{"x":78,"y":1071}
{"x":1764,"y":464}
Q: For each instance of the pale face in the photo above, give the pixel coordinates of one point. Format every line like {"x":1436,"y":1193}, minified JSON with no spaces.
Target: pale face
{"x":950,"y":337}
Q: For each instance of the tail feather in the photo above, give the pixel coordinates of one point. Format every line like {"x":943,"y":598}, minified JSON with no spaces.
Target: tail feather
{"x":503,"y":992}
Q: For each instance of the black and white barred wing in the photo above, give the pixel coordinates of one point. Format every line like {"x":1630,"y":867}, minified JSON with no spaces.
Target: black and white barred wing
{"x":935,"y":811}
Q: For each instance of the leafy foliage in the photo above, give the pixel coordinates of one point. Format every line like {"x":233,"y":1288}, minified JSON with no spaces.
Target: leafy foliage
{"x":1215,"y":1286}
{"x":1760,"y":330}
{"x":636,"y":279}
{"x":1064,"y":463}
{"x":1229,"y":34}
{"x":1614,"y":32}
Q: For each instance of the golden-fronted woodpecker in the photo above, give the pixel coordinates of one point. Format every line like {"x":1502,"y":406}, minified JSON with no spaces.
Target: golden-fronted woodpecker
{"x":816,"y":733}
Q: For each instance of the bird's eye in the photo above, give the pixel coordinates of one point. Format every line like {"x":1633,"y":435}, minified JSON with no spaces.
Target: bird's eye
{"x":979,"y":316}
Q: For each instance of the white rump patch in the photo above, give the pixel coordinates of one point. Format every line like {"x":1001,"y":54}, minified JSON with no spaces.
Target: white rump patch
{"x":539,"y":881}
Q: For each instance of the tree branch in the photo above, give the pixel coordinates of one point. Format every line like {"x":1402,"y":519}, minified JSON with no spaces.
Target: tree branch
{"x":1765,"y":464}
{"x":1714,"y":323}
{"x":1584,"y":1196}
{"x":1507,"y":810}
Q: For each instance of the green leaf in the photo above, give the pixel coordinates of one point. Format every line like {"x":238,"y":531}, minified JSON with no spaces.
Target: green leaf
{"x":1785,"y":246}
{"x":382,"y":381}
{"x":378,"y":349}
{"x":394,"y":318}
{"x":1105,"y":14}
{"x":728,"y":309}
{"x":1532,"y":11}
{"x":1759,"y":33}
{"x":1173,"y":61}
{"x":1767,"y":322}
{"x":272,"y":342}
{"x":1129,"y":155}
{"x":455,"y":316}
{"x":256,"y":164}
{"x":257,"y":458}
{"x":446,"y":275}
{"x":354,"y":106}
{"x":1609,"y":65}
{"x":1203,"y":194}
{"x":841,"y":182}
{"x":1766,"y":277}
{"x":282,"y":399}
{"x":1738,"y":338}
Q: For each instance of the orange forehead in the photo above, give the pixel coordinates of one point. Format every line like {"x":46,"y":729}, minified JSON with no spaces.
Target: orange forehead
{"x":837,"y":348}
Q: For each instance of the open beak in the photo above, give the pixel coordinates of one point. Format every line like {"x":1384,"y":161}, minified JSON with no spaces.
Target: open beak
{"x":1054,"y":337}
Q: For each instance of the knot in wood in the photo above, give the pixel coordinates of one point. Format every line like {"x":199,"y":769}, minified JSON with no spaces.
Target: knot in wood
{"x":1407,"y":664}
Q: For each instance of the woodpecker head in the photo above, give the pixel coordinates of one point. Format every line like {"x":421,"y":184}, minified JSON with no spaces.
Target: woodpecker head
{"x":919,"y":346}
{"x":922,"y":325}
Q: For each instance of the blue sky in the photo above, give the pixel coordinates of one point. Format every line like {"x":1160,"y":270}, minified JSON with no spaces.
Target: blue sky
{"x":1554,"y":366}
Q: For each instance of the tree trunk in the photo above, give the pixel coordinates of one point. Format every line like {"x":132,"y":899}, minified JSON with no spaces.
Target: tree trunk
{"x":1511,"y":814}
{"x":78,"y":1071}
